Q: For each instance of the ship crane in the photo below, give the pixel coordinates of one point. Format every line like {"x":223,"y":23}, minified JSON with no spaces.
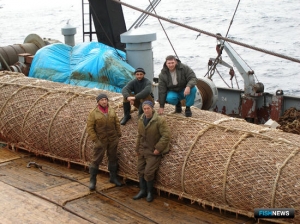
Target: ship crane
{"x":250,"y":86}
{"x":252,"y":90}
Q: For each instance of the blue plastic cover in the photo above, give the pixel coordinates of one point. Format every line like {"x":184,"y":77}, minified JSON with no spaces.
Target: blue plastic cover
{"x":92,"y":65}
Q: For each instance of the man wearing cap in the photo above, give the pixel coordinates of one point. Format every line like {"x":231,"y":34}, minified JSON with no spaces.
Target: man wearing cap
{"x":176,"y":82}
{"x":103,"y":127}
{"x":135,"y":93}
{"x":152,"y":142}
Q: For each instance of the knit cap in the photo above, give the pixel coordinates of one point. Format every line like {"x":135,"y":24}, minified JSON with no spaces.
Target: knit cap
{"x":147,"y":102}
{"x":140,"y":70}
{"x":100,"y":96}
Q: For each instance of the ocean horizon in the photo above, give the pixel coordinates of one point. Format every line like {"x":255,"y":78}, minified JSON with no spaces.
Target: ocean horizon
{"x":273,"y":26}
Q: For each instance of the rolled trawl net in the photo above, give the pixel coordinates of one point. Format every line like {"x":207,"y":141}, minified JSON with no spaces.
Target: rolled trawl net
{"x":213,"y":160}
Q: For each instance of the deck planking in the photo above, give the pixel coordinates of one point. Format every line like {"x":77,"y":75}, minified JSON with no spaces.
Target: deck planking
{"x":31,"y":196}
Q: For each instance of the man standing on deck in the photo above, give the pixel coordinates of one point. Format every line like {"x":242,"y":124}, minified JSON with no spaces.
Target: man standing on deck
{"x":152,"y":143}
{"x":176,"y":82}
{"x":103,"y":127}
{"x":135,"y":93}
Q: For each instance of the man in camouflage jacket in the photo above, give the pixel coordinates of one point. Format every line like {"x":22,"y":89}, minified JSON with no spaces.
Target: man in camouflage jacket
{"x":152,"y":142}
{"x":103,"y":127}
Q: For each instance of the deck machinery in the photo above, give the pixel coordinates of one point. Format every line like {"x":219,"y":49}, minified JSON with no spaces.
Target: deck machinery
{"x":252,"y":103}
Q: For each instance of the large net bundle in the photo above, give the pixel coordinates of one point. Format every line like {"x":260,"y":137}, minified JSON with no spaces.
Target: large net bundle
{"x":213,"y":160}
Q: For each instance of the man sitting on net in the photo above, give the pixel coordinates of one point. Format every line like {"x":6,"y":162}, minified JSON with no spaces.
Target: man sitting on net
{"x":135,"y":93}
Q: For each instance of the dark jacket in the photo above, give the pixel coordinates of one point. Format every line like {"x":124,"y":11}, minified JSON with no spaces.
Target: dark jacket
{"x":140,"y":88}
{"x":156,"y":135}
{"x":103,"y":127}
{"x":185,"y":77}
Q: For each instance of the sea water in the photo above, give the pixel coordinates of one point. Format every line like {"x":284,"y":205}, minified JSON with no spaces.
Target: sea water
{"x":270,"y":25}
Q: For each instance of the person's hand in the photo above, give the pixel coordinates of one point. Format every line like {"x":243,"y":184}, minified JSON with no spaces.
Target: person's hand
{"x":187,"y":91}
{"x":131,"y":99}
{"x":160,"y":110}
{"x":156,"y":152}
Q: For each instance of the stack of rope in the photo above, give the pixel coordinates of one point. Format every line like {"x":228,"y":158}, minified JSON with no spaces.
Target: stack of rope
{"x":290,"y":121}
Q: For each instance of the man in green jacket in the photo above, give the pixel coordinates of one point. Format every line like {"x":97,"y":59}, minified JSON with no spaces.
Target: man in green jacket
{"x":103,"y":127}
{"x":135,"y":93}
{"x":176,"y":82}
{"x":152,"y":142}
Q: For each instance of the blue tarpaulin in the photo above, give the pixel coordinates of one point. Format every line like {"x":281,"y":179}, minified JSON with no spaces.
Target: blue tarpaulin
{"x":92,"y":65}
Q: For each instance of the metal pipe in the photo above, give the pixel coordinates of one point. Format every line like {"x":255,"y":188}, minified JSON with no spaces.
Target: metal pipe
{"x":10,"y":53}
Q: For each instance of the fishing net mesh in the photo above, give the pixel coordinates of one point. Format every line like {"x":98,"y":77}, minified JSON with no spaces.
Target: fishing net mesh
{"x":213,"y":160}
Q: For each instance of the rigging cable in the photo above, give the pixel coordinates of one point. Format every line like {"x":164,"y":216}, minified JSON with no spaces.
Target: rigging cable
{"x":228,"y":32}
{"x":211,"y":34}
{"x":216,"y":61}
{"x":232,"y":18}
{"x":144,"y":16}
{"x":165,"y":32}
{"x":223,"y":79}
{"x":236,"y":81}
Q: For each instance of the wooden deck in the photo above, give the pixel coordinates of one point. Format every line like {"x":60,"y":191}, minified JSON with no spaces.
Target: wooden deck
{"x":33,"y":195}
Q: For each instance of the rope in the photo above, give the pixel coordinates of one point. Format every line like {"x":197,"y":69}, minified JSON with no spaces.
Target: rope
{"x":232,"y":18}
{"x":224,"y":79}
{"x":236,"y":129}
{"x":242,"y":138}
{"x":189,"y":152}
{"x":8,"y":99}
{"x":60,"y":174}
{"x":293,"y":153}
{"x":165,"y":32}
{"x":236,"y":81}
{"x":143,"y":17}
{"x":47,"y":89}
{"x":210,"y":34}
{"x":52,"y":120}
{"x":30,"y":109}
{"x":212,"y":68}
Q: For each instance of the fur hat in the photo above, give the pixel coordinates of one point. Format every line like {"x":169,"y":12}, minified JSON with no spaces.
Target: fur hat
{"x":140,"y":70}
{"x":100,"y":96}
{"x":147,"y":102}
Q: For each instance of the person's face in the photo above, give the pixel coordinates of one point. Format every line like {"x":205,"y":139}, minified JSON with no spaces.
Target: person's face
{"x":171,"y":64}
{"x":103,"y":102}
{"x":147,"y":110}
{"x":139,"y":75}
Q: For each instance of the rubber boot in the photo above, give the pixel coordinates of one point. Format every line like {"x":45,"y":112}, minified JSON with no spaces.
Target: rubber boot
{"x":112,"y":168}
{"x":140,"y":111}
{"x":178,"y":108}
{"x":188,"y":112}
{"x":127,"y":116}
{"x":150,"y":191}
{"x":93,"y":178}
{"x":143,"y":189}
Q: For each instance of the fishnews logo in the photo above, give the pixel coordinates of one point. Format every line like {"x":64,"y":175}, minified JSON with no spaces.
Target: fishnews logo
{"x":274,"y":213}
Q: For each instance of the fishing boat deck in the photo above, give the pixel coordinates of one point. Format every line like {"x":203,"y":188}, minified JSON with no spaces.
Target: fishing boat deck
{"x":39,"y":190}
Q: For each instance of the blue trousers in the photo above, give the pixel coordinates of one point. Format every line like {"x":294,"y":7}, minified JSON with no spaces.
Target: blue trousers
{"x":174,"y":97}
